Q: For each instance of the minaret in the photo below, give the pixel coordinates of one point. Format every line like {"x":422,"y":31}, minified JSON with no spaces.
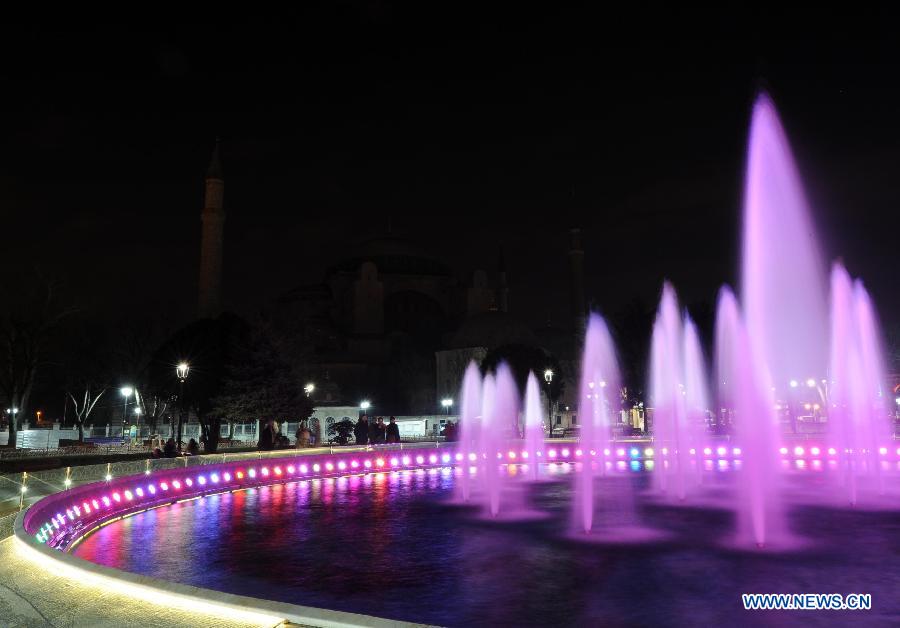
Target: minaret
{"x":576,"y":266}
{"x":502,"y":287}
{"x":212,"y":219}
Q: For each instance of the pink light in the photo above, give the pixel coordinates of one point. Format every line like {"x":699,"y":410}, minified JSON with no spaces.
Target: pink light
{"x":473,"y":457}
{"x":565,"y":453}
{"x":379,"y":462}
{"x":303,"y":468}
{"x":459,"y":456}
{"x":798,"y":451}
{"x":215,"y":478}
{"x":240,"y":475}
{"x":512,"y":455}
{"x":151,"y":489}
{"x":882,"y":451}
{"x":432,"y":459}
{"x":721,"y":451}
{"x":329,"y":466}
{"x":367,"y":464}
{"x":95,"y":504}
{"x":406,"y":459}
{"x":898,"y":452}
{"x":316,"y":468}
{"x":783,"y":451}
{"x":176,"y":484}
{"x":606,"y":452}
{"x":188,"y":482}
{"x":106,"y":501}
{"x":693,"y":451}
{"x":290,"y":468}
{"x":707,"y":451}
{"x":665,"y":451}
{"x":265,"y":471}
{"x":342,"y":465}
{"x":354,"y":464}
{"x":552,"y":453}
{"x":117,"y":497}
{"x":277,"y":470}
{"x":252,"y":473}
{"x":394,"y":462}
{"x":736,"y":451}
{"x":578,"y":453}
{"x":128,"y":495}
{"x":420,"y":459}
{"x":86,"y":507}
{"x":201,"y":480}
{"x":814,"y":451}
{"x":139,"y":492}
{"x":832,"y":451}
{"x":620,"y":452}
{"x":446,"y":458}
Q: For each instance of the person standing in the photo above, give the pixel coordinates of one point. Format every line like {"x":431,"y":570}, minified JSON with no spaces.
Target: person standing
{"x":361,"y":430}
{"x":381,"y":429}
{"x":393,"y":431}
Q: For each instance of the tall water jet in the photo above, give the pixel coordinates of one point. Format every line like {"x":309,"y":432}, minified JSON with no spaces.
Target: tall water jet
{"x":469,"y":422}
{"x":678,"y":395}
{"x":599,"y":398}
{"x":501,"y":421}
{"x":782,"y":279}
{"x":859,"y":422}
{"x":534,"y":425}
{"x":743,"y":387}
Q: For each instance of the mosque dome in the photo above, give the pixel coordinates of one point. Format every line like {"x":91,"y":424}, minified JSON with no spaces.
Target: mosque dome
{"x":492,"y":329}
{"x":392,"y":255}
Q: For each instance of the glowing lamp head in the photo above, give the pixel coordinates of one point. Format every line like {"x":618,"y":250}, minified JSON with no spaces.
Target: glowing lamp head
{"x":811,"y":383}
{"x":794,"y":383}
{"x":432,"y":459}
{"x":420,"y":459}
{"x":182,"y":370}
{"x":365,"y":405}
{"x":721,"y":451}
{"x":798,"y":451}
{"x":783,"y":451}
{"x":126,"y":391}
{"x":367,"y":464}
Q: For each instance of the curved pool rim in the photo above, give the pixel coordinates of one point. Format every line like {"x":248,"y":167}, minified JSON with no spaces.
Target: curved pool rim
{"x":54,"y":554}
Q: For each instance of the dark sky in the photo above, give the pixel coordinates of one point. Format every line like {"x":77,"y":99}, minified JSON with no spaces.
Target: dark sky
{"x":464,"y":130}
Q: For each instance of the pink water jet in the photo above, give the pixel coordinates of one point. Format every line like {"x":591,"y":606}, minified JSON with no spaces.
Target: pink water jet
{"x":599,"y":400}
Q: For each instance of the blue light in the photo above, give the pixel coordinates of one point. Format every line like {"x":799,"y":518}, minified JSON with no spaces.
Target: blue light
{"x":634,"y":452}
{"x":635,"y":465}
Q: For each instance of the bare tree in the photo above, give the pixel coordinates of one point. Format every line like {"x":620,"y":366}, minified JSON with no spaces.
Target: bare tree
{"x":85,"y":406}
{"x":25,"y":327}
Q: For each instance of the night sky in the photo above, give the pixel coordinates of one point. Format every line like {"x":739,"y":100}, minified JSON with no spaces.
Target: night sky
{"x":465,"y":131}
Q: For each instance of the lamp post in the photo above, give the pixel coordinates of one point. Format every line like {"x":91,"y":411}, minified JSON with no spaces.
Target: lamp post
{"x":364,"y":405}
{"x":548,"y":377}
{"x":126,"y":392}
{"x":447,"y":402}
{"x":309,"y":388}
{"x":181,"y":371}
{"x":137,"y":418}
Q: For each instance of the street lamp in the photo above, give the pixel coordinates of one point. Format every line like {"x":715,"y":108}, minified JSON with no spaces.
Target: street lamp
{"x":181,"y":371}
{"x":126,"y":392}
{"x":447,"y":403}
{"x":811,"y":383}
{"x":364,"y":405}
{"x":309,"y":388}
{"x":548,"y":377}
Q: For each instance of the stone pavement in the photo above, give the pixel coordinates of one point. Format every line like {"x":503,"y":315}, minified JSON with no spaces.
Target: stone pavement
{"x":31,"y":596}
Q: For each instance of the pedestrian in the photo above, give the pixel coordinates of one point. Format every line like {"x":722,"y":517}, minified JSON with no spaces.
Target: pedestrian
{"x":361,"y":430}
{"x":267,"y":437}
{"x":193,"y":448}
{"x":393,"y":431}
{"x":381,"y":430}
{"x":170,"y":449}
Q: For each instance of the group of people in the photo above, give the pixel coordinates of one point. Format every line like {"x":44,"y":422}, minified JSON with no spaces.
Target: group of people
{"x":376,"y":432}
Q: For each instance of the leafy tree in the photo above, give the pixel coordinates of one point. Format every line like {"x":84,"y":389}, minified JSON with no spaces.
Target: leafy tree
{"x":259,"y":383}
{"x":341,"y":431}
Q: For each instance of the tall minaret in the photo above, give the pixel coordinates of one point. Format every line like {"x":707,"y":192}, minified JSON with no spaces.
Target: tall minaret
{"x":576,"y":264}
{"x":212,"y":219}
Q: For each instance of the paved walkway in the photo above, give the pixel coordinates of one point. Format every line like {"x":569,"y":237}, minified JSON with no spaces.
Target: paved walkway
{"x":32,"y":596}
